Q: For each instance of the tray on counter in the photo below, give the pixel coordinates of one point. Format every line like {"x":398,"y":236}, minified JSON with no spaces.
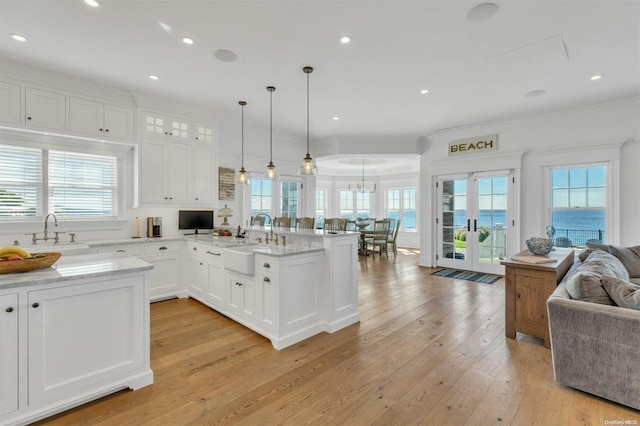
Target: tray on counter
{"x":37,"y":261}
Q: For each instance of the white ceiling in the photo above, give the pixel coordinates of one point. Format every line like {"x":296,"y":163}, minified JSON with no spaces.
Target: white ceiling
{"x":475,"y":72}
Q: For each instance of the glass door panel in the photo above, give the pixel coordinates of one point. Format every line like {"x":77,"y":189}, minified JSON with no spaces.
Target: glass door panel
{"x":472,"y":218}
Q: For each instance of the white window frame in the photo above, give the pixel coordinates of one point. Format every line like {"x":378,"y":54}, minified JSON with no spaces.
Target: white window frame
{"x":276,"y":195}
{"x":607,"y":154}
{"x":123,"y":151}
{"x":401,"y":208}
{"x":322,"y":191}
{"x":354,"y":203}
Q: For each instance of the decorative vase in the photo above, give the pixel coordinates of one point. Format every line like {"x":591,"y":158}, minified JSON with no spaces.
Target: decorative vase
{"x":539,"y":246}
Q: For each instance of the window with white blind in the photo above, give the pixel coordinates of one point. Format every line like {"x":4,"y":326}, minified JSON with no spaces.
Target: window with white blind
{"x":82,"y":185}
{"x":35,"y":182}
{"x":20,"y":182}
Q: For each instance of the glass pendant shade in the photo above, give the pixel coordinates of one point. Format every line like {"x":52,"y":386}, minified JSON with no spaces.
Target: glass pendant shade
{"x":243,"y":176}
{"x":271,"y":173}
{"x":308,"y":167}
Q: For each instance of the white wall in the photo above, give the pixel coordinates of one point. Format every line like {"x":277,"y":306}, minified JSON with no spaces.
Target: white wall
{"x":536,"y":137}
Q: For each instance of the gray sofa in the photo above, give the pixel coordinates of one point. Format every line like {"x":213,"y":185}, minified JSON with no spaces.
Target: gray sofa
{"x":595,"y":346}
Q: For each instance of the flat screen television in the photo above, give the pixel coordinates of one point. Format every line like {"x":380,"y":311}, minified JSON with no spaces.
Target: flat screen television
{"x":195,"y":220}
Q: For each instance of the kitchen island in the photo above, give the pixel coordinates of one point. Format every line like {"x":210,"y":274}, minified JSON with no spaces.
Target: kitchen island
{"x":72,"y":333}
{"x":286,"y":292}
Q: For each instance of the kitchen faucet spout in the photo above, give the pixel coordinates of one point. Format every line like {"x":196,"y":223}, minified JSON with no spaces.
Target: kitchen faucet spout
{"x":46,"y":219}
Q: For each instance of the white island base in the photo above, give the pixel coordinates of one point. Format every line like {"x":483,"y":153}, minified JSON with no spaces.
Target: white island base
{"x":72,"y":334}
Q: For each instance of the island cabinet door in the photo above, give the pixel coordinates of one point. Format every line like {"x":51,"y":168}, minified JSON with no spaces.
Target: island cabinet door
{"x":8,"y":353}
{"x":241,"y":297}
{"x":82,"y":336}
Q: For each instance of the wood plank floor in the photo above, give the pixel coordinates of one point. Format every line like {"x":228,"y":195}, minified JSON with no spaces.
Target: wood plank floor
{"x":428,"y":350}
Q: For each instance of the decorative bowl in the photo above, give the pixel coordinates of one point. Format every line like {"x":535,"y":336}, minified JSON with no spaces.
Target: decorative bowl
{"x":36,"y":261}
{"x":362,"y":225}
{"x":539,"y":246}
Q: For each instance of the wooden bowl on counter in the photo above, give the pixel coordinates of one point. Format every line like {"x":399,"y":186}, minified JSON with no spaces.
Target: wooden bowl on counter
{"x":36,"y":261}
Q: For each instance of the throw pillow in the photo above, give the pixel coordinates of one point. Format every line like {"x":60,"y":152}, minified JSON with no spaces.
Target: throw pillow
{"x":622,"y":292}
{"x":595,"y":246}
{"x":604,"y":263}
{"x":586,"y":286}
{"x":630,"y":258}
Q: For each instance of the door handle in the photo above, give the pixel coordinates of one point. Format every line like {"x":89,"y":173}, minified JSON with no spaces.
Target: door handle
{"x":468,"y":225}
{"x":475,"y":225}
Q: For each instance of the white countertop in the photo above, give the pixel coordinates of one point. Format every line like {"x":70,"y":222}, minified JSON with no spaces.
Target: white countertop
{"x":76,"y":267}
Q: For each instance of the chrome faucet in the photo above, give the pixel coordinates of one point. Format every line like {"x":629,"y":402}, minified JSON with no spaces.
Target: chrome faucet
{"x":45,"y":225}
{"x":270,"y":223}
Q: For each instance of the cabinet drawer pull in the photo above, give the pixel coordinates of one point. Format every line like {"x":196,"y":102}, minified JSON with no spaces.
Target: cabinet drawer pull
{"x":162,"y":248}
{"x":35,"y":305}
{"x":9,"y":309}
{"x":120,"y":251}
{"x":237,"y":283}
{"x":266,"y":265}
{"x":215,"y":254}
{"x":266,"y":280}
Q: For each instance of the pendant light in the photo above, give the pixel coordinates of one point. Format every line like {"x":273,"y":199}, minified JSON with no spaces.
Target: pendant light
{"x":271,"y":173}
{"x":361,"y":187}
{"x":243,"y":176}
{"x":308,"y":167}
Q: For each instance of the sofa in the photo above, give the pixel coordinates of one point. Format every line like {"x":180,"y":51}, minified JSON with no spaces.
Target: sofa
{"x":594,"y":324}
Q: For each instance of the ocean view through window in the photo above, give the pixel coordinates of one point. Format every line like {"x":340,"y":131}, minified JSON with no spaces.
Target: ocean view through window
{"x":578,"y":204}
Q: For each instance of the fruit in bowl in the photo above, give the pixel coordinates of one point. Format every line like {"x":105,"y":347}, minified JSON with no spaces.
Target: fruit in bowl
{"x":9,"y":254}
{"x":539,"y":246}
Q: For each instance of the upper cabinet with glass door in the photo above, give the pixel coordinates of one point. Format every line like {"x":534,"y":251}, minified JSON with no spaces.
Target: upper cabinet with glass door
{"x":162,"y":126}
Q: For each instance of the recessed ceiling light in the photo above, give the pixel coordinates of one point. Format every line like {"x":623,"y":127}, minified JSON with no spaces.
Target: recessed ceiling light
{"x":18,"y":37}
{"x":534,"y":93}
{"x":187,"y":40}
{"x":225,"y":55}
{"x":596,"y":77}
{"x":345,"y":39}
{"x":424,"y":91}
{"x":93,"y":3}
{"x":336,"y":118}
{"x":154,"y":77}
{"x":482,"y":12}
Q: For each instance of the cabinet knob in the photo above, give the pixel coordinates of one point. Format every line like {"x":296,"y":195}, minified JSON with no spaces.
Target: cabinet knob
{"x":266,"y":280}
{"x":35,"y":305}
{"x":106,"y":130}
{"x":9,"y":309}
{"x":195,"y":249}
{"x":201,"y":263}
{"x":28,"y":118}
{"x":266,"y":265}
{"x":239,"y":284}
{"x":101,"y":130}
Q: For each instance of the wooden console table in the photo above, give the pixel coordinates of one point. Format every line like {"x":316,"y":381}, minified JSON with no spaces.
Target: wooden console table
{"x":527,"y":288}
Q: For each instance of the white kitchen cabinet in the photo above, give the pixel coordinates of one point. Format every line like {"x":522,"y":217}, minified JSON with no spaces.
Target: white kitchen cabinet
{"x":162,"y":126}
{"x":10,"y":103}
{"x":45,"y":110}
{"x":166,"y":173}
{"x":8,"y":353}
{"x":207,"y":275}
{"x":204,"y":175}
{"x":204,"y":133}
{"x":67,"y":342}
{"x":166,"y":258}
{"x":97,"y":119}
{"x":109,"y":343}
{"x":241,"y":292}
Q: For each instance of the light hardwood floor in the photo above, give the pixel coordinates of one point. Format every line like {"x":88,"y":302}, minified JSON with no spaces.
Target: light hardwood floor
{"x":428,"y":350}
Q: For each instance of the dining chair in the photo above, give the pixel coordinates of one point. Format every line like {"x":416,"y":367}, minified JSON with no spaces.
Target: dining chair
{"x":335,"y":224}
{"x":379,"y":238}
{"x":393,"y":238}
{"x":282,"y":222}
{"x":305,"y":222}
{"x":350,"y":225}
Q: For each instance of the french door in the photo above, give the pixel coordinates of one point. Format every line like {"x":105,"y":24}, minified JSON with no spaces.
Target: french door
{"x":473,"y":217}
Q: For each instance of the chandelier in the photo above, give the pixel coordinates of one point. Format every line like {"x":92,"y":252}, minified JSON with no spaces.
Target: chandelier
{"x":361,"y":186}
